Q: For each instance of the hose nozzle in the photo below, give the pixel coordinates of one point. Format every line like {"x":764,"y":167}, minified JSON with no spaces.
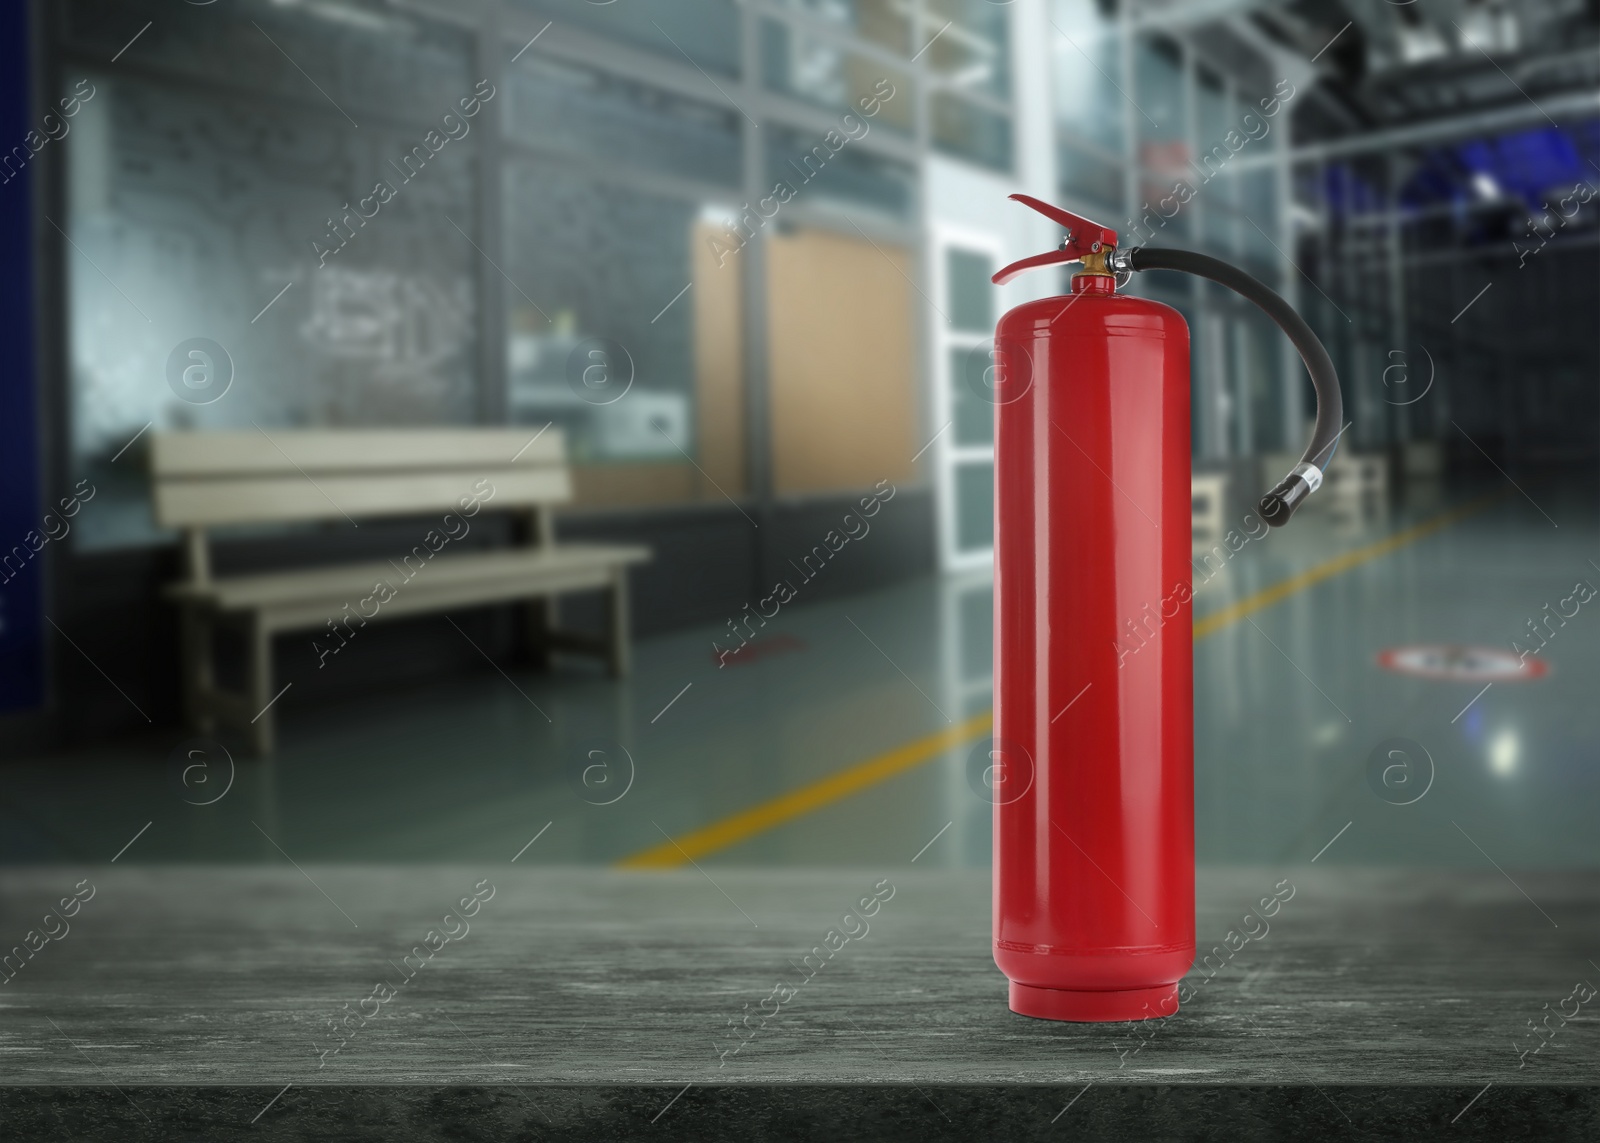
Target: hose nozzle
{"x":1097,"y":248}
{"x":1280,"y":504}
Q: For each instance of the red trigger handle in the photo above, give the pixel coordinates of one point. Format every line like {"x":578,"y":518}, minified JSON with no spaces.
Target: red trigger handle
{"x":1084,"y":236}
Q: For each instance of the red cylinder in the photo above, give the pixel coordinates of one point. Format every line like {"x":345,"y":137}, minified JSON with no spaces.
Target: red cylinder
{"x":1094,"y":674}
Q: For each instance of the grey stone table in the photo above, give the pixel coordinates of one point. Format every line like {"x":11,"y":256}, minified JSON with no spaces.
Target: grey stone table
{"x":184,"y":1002}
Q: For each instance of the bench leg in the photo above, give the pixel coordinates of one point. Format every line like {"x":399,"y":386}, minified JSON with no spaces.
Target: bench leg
{"x":258,"y":685}
{"x":538,"y":622}
{"x":199,"y":670}
{"x":618,"y":656}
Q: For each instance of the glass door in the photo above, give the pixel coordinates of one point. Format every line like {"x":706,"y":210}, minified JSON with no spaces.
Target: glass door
{"x":963,"y":368}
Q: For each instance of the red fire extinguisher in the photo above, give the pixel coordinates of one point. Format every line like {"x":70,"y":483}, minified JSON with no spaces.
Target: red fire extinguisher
{"x":1093,"y":749}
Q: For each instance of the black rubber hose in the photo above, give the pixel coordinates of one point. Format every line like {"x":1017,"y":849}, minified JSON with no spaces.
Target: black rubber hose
{"x":1279,"y":504}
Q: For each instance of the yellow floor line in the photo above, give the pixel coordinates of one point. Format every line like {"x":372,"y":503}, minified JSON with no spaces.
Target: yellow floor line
{"x":786,"y":807}
{"x":1234,"y":612}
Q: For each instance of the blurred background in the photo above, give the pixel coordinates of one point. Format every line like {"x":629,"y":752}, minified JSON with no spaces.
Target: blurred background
{"x":732,"y":256}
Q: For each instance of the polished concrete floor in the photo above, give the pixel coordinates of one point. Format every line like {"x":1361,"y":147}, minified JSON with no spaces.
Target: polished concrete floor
{"x":1291,"y":707}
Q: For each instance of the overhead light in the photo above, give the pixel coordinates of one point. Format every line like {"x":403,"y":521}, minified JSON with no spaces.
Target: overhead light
{"x":1421,"y":43}
{"x":1490,"y":29}
{"x":1510,"y":31}
{"x":1503,"y":751}
{"x":1485,"y":185}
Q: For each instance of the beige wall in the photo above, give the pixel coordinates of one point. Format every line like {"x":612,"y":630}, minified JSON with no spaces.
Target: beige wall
{"x":842,"y":359}
{"x":718,"y":364}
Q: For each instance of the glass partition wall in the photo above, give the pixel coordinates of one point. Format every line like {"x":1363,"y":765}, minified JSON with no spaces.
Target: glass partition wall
{"x":229,"y":259}
{"x":685,"y":234}
{"x":692,"y":238}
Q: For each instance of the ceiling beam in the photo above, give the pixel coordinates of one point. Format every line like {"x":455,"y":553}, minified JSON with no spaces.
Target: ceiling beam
{"x":1456,"y":126}
{"x":1178,"y":15}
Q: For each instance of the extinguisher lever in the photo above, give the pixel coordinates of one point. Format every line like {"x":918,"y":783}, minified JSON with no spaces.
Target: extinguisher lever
{"x":1033,"y":263}
{"x":1084,"y":236}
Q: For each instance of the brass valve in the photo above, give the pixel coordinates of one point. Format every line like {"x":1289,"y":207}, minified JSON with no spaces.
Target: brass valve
{"x":1098,"y":261}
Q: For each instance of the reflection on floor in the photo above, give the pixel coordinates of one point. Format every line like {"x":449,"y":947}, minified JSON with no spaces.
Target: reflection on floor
{"x":1291,"y":706}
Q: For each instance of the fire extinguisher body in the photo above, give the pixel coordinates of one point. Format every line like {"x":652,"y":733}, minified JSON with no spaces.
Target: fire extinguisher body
{"x":1094,"y":675}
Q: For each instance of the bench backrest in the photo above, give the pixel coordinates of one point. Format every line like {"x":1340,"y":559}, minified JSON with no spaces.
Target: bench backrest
{"x":204,"y":479}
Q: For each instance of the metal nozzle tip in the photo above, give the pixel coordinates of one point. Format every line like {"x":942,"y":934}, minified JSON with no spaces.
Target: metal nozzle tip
{"x":1279,"y":504}
{"x":1274,"y":511}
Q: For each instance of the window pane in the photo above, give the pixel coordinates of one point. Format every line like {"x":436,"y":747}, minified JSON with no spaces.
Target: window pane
{"x":607,"y":340}
{"x":886,"y":23}
{"x":970,"y":293}
{"x":583,"y":111}
{"x":1213,"y":112}
{"x":814,"y":169}
{"x":1095,"y":183}
{"x":340,"y":57}
{"x":814,"y":70}
{"x":968,"y":43}
{"x":1259,"y":200}
{"x":970,"y":382}
{"x":262,"y":229}
{"x":1218,"y":203}
{"x":1163,"y":148}
{"x":976,"y":610}
{"x":1086,"y":73}
{"x":1220,"y":224}
{"x":1159,"y":92}
{"x":974,"y":506}
{"x":970,"y":131}
{"x":706,"y":31}
{"x":1215,"y":121}
{"x":1261,"y":348}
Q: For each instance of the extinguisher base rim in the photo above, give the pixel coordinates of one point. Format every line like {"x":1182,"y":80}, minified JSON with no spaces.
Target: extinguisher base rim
{"x":1096,"y":1007}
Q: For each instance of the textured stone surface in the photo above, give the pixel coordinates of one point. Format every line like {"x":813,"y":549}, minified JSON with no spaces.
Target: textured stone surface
{"x":1378,"y":996}
{"x":1114,"y":1113}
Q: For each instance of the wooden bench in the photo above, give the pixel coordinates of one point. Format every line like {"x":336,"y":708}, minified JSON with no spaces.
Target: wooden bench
{"x":203,"y":480}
